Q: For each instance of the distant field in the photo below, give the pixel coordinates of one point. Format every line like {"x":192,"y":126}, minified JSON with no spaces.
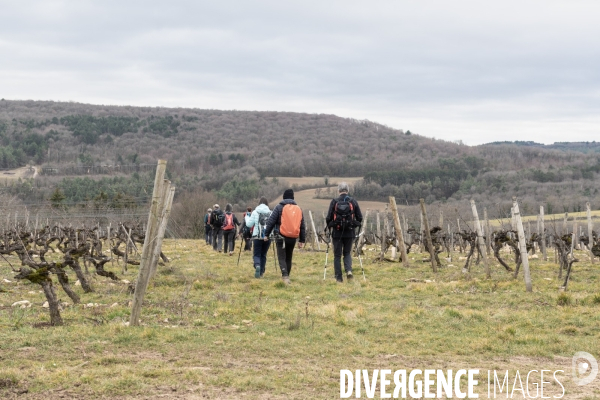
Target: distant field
{"x":318,"y":180}
{"x":23,"y":172}
{"x":306,"y":200}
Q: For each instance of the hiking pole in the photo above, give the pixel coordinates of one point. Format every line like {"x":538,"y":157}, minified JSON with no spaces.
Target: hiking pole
{"x":326,"y":254}
{"x":360,"y":259}
{"x":239,"y":255}
{"x":276,"y":262}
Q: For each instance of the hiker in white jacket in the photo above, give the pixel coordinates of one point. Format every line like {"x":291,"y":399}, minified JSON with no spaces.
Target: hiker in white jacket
{"x":258,"y":221}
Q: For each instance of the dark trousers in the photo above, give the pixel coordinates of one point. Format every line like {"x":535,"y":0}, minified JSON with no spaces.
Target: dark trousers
{"x":228,"y":240}
{"x":342,"y":246}
{"x":208,"y":234}
{"x":261,"y":251}
{"x":248,"y":246}
{"x":285,"y":251}
{"x":217,"y":239}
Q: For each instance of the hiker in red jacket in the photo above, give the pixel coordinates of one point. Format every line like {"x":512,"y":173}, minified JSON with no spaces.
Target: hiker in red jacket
{"x":230,"y":222}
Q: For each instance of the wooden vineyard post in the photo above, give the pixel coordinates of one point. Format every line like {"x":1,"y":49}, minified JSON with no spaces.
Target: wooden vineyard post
{"x":404,"y":225}
{"x":149,"y":241}
{"x":522,"y":245}
{"x":441,"y":219}
{"x":451,"y":242}
{"x":166,"y":212}
{"x":480,"y":241}
{"x":565,"y":229}
{"x":379,"y":227}
{"x":513,"y":222}
{"x":488,"y":232}
{"x":543,"y":233}
{"x":428,"y":235}
{"x":316,"y":238}
{"x":460,"y":243}
{"x":361,"y":233}
{"x":590,"y":230}
{"x":383,"y":241}
{"x":399,"y":234}
{"x":421,"y":232}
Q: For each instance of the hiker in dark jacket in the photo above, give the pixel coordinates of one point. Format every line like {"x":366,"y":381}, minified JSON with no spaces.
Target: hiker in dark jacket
{"x":230,"y":222}
{"x":216,"y":223}
{"x":285,"y":245}
{"x":207,"y":227}
{"x":342,"y":229}
{"x":248,"y":237}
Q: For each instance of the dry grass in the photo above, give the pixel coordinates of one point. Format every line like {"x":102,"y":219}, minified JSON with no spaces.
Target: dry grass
{"x":232,"y":335}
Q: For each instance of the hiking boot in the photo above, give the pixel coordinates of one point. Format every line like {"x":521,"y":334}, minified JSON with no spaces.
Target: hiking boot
{"x":349,"y":275}
{"x":257,"y":273}
{"x":340,"y":280}
{"x":231,"y":253}
{"x":286,"y":280}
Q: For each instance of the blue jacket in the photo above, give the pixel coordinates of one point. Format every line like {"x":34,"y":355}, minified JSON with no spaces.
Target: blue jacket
{"x":275,"y":220}
{"x":252,"y":220}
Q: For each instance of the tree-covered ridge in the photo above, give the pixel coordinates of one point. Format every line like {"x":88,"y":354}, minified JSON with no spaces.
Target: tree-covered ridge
{"x":234,"y":153}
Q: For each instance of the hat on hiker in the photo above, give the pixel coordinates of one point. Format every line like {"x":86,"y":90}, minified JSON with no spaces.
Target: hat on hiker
{"x":288,"y":194}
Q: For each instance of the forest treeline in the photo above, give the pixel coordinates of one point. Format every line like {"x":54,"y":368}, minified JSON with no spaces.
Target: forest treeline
{"x":236,"y":154}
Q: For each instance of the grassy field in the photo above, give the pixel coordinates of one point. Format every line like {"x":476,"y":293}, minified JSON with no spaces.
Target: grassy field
{"x":210,"y":330}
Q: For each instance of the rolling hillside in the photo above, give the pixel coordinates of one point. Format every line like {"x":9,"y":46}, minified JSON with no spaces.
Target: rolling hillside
{"x":236,"y":154}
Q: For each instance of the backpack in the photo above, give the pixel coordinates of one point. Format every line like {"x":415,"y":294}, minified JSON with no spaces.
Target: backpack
{"x":291,"y":218}
{"x":216,"y":218}
{"x":228,"y":225}
{"x":247,"y":232}
{"x":343,"y":214}
{"x":262,"y":223}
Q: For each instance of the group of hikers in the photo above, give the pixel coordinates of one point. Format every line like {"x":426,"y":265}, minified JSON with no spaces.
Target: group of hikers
{"x":284,"y":225}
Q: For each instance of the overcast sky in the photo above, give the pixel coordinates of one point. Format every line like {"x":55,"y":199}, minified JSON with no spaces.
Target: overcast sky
{"x":476,"y":71}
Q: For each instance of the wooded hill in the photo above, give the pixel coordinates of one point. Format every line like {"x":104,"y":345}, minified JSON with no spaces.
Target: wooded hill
{"x":234,"y":153}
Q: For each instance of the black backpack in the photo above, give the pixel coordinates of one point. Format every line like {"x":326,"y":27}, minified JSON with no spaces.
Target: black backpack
{"x":216,"y":218}
{"x":343,"y":214}
{"x":262,"y":223}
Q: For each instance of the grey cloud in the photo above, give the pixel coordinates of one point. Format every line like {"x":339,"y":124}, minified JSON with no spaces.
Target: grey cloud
{"x":438,"y":66}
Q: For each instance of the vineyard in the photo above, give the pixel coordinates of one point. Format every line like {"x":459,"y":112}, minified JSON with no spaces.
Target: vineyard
{"x":207,"y":324}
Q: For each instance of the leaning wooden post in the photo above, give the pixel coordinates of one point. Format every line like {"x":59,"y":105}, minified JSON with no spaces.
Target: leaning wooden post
{"x":151,"y":232}
{"x":522,"y":245}
{"x":399,"y":234}
{"x":590,"y":230}
{"x":428,"y":235}
{"x":404,"y":225}
{"x":543,"y":233}
{"x":166,"y":212}
{"x":312,"y":223}
{"x":480,"y":241}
